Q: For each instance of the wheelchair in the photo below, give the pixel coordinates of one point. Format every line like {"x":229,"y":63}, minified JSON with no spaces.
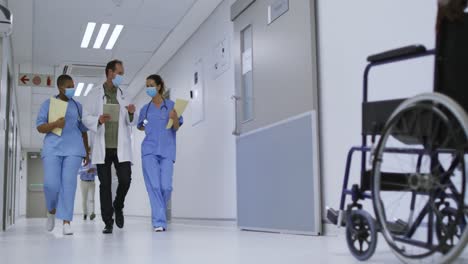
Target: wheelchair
{"x":418,"y":153}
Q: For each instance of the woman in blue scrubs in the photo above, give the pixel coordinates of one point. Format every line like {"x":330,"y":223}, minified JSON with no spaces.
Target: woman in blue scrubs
{"x":158,"y":149}
{"x":62,"y":155}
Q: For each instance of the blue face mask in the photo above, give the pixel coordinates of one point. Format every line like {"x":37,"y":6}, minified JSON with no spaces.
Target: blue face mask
{"x":70,"y":92}
{"x":117,"y":81}
{"x":151,"y":91}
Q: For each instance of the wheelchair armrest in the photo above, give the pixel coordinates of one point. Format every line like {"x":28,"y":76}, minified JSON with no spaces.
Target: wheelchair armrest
{"x":397,"y":53}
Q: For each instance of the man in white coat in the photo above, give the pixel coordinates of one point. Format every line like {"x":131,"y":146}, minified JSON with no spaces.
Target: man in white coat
{"x":112,"y":142}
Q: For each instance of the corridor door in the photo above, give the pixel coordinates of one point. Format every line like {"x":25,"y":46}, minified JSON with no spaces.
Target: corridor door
{"x":276,"y":101}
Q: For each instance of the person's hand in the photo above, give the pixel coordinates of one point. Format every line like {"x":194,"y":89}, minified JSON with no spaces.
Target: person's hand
{"x":173,"y":115}
{"x":92,"y":170}
{"x":86,"y":160}
{"x":131,"y":108}
{"x":60,"y":123}
{"x":104,"y":118}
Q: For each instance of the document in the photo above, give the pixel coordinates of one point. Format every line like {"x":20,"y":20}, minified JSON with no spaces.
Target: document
{"x":179,"y":107}
{"x":57,"y":109}
{"x":113,"y":110}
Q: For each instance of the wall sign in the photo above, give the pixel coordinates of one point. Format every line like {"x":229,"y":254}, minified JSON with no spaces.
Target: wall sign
{"x":277,"y":9}
{"x":36,"y":80}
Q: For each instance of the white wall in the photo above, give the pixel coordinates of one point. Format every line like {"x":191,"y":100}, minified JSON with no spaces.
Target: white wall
{"x":204,"y":178}
{"x":349,"y":31}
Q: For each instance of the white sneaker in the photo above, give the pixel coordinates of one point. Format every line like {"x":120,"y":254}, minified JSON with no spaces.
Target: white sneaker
{"x":67,"y":231}
{"x":159,"y":229}
{"x":50,"y":222}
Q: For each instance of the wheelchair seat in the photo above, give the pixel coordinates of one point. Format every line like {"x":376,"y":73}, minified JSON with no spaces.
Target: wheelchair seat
{"x":450,"y":75}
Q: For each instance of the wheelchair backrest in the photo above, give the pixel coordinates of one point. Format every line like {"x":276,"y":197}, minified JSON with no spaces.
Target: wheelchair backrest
{"x":451,"y":64}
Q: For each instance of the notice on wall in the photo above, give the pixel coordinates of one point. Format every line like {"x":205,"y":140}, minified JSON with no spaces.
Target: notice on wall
{"x":247,"y":62}
{"x":197,"y":93}
{"x":36,"y":80}
{"x":277,"y":9}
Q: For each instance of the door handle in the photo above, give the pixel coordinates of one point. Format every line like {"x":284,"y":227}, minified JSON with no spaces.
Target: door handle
{"x":236,"y":131}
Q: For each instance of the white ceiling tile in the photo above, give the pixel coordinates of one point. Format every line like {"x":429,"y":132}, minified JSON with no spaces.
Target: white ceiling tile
{"x":133,"y":62}
{"x":143,"y":39}
{"x":162,"y":13}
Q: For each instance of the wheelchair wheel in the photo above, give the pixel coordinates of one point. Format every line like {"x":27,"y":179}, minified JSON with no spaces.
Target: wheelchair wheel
{"x":419,"y":180}
{"x":448,"y":230}
{"x":361,"y":234}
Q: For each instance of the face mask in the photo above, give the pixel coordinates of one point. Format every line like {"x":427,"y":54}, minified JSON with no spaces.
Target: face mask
{"x":117,"y":81}
{"x":151,"y":91}
{"x":70,"y":92}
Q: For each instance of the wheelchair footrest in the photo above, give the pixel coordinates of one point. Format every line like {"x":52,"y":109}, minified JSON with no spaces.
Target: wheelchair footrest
{"x":398,"y":228}
{"x":334,"y":216}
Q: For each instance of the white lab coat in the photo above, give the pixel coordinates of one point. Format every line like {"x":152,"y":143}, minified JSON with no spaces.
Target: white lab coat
{"x":92,"y":111}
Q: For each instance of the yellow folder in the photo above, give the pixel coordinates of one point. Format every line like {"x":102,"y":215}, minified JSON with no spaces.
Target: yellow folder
{"x":57,"y":109}
{"x":179,"y":107}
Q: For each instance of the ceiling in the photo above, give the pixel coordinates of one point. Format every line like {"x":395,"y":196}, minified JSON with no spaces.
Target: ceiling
{"x":49,"y":32}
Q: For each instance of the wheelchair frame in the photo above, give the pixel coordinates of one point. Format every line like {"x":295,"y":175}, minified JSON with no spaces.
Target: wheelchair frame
{"x":364,"y":191}
{"x":411,"y":52}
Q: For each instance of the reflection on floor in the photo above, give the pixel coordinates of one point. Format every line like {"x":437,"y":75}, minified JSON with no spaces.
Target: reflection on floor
{"x":27,"y":242}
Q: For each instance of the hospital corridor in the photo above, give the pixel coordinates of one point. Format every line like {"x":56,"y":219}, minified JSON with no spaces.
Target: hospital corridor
{"x":233,"y":131}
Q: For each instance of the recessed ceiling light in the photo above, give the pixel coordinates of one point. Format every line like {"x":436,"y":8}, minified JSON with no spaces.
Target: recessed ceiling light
{"x":88,"y":89}
{"x":79,"y":88}
{"x":88,"y":34}
{"x":101,"y":35}
{"x":115,"y":35}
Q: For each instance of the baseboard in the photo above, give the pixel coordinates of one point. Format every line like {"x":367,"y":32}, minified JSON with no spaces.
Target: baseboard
{"x":215,"y":222}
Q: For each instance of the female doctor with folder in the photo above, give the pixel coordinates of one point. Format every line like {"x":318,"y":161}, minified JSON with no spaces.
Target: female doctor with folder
{"x":63,"y":151}
{"x":158,"y":149}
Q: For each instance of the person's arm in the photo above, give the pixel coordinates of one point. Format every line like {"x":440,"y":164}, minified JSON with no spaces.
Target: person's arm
{"x":140,"y":125}
{"x":84,"y":135}
{"x":176,"y":120}
{"x":42,"y":122}
{"x":91,"y":118}
{"x":48,"y":127}
{"x":131,"y":116}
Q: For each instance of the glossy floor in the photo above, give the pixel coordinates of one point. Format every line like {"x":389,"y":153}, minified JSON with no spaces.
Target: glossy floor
{"x":27,"y":242}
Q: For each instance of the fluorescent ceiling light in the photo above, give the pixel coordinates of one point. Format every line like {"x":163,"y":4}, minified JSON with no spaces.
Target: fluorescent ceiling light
{"x":79,"y":88}
{"x":101,"y":35}
{"x":88,"y":34}
{"x":115,"y":35}
{"x":88,"y":89}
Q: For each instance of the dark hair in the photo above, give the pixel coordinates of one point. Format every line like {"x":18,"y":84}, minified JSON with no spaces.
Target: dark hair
{"x":159,"y":81}
{"x":452,"y":10}
{"x":111,"y":65}
{"x":63,"y":79}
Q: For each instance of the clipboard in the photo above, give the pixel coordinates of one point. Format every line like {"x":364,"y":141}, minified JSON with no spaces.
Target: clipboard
{"x":179,"y":107}
{"x":113,"y":110}
{"x":57,"y":109}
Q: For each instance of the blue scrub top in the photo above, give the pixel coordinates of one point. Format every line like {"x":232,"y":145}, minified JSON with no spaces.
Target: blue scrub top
{"x":70,"y":143}
{"x":158,"y":141}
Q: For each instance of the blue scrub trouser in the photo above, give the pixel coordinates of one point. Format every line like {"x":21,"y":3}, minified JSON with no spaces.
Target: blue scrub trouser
{"x":60,"y":180}
{"x":157,"y":172}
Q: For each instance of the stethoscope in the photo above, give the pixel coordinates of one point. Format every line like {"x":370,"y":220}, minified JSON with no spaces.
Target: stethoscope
{"x":164,"y":106}
{"x":105,"y":96}
{"x":77,"y":108}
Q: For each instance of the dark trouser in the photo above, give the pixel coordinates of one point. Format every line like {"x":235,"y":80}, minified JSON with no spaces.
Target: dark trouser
{"x":124,"y":174}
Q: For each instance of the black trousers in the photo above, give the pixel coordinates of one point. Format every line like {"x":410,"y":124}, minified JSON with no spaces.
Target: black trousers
{"x":124,"y":175}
